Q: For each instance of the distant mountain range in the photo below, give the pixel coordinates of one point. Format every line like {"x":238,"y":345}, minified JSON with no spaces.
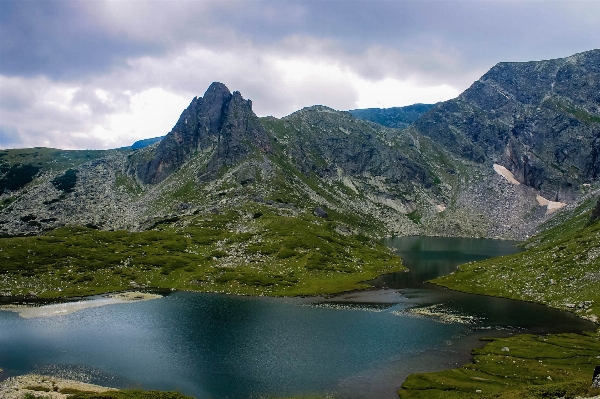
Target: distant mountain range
{"x":521,"y":142}
{"x":145,"y":142}
{"x":396,"y":117}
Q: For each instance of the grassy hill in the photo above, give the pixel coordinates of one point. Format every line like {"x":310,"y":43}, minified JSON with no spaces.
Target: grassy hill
{"x":251,"y":251}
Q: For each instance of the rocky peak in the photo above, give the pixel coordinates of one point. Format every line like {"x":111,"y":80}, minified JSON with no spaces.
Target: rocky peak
{"x":221,"y":122}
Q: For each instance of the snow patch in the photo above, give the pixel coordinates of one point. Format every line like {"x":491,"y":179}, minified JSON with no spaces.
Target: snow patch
{"x":507,"y":174}
{"x":551,"y":206}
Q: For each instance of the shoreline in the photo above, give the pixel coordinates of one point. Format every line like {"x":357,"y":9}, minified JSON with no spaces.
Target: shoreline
{"x":54,"y":309}
{"x":46,"y":386}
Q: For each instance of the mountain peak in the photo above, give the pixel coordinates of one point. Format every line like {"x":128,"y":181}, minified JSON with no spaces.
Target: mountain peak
{"x":219,"y":122}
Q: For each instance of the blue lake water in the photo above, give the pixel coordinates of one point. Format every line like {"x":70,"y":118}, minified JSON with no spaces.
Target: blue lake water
{"x":216,"y":346}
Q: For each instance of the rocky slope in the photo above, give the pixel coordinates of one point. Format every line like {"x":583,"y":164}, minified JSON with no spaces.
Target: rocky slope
{"x":540,"y":120}
{"x":495,"y":162}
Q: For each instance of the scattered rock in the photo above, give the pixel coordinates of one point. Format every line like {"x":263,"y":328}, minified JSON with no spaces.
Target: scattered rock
{"x":320,"y":212}
{"x":596,"y":378}
{"x":505,"y":349}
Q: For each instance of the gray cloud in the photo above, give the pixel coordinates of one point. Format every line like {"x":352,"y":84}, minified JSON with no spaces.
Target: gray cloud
{"x":69,"y":39}
{"x":67,"y":67}
{"x":61,"y":40}
{"x":9,"y":136}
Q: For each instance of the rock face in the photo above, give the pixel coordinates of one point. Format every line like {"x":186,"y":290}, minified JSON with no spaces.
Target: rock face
{"x":220,"y":122}
{"x":540,"y":120}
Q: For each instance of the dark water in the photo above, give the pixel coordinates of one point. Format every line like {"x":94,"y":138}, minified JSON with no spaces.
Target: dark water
{"x":217,"y":346}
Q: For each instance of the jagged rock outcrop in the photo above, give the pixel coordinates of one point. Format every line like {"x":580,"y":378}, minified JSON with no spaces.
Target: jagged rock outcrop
{"x":540,"y":119}
{"x":219,"y":122}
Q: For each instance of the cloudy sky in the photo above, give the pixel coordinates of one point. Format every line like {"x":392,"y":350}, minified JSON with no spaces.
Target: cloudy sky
{"x":104,"y":73}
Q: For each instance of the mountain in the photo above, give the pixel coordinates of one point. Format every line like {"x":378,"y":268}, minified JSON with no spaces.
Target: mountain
{"x":145,"y":142}
{"x":540,"y":120}
{"x":396,"y":117}
{"x":220,"y":122}
{"x":497,"y":161}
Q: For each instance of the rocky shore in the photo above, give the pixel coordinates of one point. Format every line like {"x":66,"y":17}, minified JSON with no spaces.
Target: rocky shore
{"x":46,"y":387}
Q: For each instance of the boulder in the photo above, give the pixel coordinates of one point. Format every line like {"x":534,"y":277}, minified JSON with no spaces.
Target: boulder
{"x":320,"y":212}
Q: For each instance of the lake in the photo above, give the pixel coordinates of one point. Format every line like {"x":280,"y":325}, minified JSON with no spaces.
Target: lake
{"x":356,"y":345}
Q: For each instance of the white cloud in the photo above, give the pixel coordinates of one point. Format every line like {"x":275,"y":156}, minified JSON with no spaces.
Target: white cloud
{"x":145,"y":98}
{"x":387,"y":93}
{"x":151,"y":113}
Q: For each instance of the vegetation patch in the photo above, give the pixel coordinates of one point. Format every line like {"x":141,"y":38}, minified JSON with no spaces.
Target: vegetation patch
{"x":67,"y":181}
{"x":16,"y":176}
{"x":520,"y":367}
{"x":231,"y":252}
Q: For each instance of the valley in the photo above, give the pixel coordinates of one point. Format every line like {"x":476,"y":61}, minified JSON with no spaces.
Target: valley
{"x":230,"y":203}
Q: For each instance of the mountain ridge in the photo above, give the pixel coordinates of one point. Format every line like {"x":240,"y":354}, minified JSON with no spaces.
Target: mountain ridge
{"x":436,"y":177}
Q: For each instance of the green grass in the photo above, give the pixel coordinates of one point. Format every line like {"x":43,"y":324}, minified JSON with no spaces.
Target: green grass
{"x":560,"y":269}
{"x":228,"y":253}
{"x":521,"y":372}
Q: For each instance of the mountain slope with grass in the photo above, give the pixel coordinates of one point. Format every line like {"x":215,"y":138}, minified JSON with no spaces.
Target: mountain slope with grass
{"x":560,"y":268}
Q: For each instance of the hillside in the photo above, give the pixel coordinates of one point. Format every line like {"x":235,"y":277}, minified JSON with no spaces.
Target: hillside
{"x":539,"y":119}
{"x":560,"y":269}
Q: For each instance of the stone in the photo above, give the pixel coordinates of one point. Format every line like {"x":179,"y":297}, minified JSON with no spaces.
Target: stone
{"x":596,"y":378}
{"x":220,"y":122}
{"x":320,"y":212}
{"x":505,"y":349}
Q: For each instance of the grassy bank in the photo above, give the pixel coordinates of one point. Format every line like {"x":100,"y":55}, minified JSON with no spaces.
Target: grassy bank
{"x":560,"y":268}
{"x":236,"y":252}
{"x":523,"y":367}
